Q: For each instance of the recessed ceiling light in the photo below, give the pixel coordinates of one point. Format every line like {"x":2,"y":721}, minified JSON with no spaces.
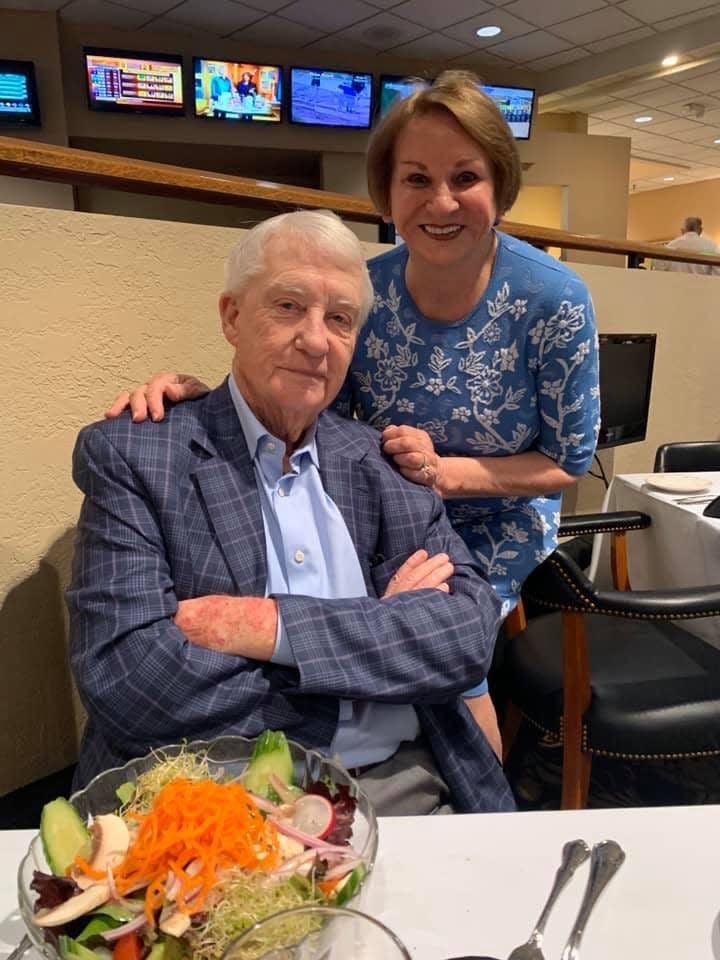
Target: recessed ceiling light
{"x":645,"y":119}
{"x":717,"y":141}
{"x":671,"y":60}
{"x":668,"y":179}
{"x":488,"y":31}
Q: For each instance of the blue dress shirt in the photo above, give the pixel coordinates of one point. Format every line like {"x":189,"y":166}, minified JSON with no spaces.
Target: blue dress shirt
{"x":310,"y":553}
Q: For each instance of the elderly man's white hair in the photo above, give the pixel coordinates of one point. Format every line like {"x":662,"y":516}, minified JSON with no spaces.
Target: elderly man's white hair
{"x":321,"y":229}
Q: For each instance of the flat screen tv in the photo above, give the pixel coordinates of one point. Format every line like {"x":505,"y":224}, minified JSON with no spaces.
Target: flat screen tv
{"x":226,"y":90}
{"x":330,"y":98}
{"x":121,"y":81}
{"x":18,"y":93}
{"x":515,"y":103}
{"x":626,"y":370}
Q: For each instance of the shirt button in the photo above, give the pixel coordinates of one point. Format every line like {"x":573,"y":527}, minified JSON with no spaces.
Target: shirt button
{"x":281,"y":492}
{"x":271,"y":445}
{"x":299,"y":556}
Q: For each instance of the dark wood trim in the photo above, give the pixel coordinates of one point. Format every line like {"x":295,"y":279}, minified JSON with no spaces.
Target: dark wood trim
{"x":47,"y":161}
{"x":619,"y":560}
{"x":576,"y":700}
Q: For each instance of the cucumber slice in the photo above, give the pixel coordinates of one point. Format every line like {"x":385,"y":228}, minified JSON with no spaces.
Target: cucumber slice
{"x":64,"y":835}
{"x":350,"y":885}
{"x":125,"y":792}
{"x":271,"y":754}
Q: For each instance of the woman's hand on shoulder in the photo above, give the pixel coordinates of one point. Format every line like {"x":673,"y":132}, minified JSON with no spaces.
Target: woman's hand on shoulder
{"x":148,"y":399}
{"x":414,"y":454}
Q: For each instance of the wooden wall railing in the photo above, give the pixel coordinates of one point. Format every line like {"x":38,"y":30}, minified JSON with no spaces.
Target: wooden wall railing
{"x":43,"y":161}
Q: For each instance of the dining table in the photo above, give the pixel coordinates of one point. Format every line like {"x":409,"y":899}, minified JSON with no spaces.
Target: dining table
{"x":469,"y":884}
{"x":681,"y":547}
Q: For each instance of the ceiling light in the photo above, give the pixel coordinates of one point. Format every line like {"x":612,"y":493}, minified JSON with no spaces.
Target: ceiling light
{"x":717,"y":141}
{"x":668,"y":179}
{"x":488,"y":31}
{"x":645,"y":119}
{"x":671,"y":60}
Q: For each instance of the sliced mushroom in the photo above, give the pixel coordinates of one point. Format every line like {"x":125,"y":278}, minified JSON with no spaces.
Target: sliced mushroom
{"x":75,"y":907}
{"x":111,"y":840}
{"x":176,"y":924}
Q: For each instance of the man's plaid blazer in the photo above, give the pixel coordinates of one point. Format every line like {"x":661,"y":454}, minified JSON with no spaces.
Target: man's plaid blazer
{"x":172,"y":511}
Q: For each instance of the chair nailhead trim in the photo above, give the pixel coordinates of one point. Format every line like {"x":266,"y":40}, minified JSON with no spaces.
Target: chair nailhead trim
{"x":593,"y":528}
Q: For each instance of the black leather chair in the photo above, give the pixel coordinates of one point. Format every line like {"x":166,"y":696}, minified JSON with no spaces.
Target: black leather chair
{"x":694,"y":455}
{"x":607,"y":673}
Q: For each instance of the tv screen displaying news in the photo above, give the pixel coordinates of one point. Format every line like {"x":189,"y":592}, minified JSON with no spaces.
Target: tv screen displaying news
{"x":330,"y":98}
{"x":132,"y":82}
{"x":18,"y":93}
{"x":626,"y":370}
{"x":226,"y":90}
{"x":515,"y":103}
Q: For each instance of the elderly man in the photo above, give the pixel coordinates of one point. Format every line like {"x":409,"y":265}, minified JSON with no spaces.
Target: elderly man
{"x":691,"y":241}
{"x":254,"y":561}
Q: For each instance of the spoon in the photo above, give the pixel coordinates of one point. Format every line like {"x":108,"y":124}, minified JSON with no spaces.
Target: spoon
{"x":575,"y":852}
{"x":606,"y":859}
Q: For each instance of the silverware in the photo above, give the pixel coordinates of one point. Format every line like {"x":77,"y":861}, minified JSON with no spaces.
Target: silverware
{"x":21,"y":949}
{"x":705,"y":498}
{"x":574,"y":853}
{"x":606,"y":859}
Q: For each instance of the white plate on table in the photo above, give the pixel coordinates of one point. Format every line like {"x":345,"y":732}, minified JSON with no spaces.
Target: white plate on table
{"x":678,"y":483}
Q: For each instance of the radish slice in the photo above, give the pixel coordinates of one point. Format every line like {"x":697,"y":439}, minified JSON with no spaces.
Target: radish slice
{"x":313,"y":815}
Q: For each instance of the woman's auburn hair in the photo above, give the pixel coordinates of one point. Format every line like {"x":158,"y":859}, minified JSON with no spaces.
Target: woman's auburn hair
{"x":458,"y":92}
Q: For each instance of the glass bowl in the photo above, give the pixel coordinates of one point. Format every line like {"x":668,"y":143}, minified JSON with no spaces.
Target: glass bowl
{"x":229,"y":754}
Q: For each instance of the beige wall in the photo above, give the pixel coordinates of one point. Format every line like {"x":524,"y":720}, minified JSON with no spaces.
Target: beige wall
{"x":91,"y":304}
{"x":658,"y":214}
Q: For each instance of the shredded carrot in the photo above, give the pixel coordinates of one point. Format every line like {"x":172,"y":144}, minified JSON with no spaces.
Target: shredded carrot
{"x":216,"y":825}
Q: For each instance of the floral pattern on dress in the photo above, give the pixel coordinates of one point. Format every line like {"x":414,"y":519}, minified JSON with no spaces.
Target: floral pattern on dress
{"x":518,"y":373}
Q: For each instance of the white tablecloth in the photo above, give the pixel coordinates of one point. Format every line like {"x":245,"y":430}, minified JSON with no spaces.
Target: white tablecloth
{"x":680,"y":549}
{"x":455,"y":885}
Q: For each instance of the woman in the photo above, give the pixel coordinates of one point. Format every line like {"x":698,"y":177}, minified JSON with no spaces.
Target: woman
{"x":479,"y":359}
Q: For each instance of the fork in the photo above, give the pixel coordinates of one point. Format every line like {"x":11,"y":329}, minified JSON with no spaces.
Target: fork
{"x":574,"y":853}
{"x":607,"y":858}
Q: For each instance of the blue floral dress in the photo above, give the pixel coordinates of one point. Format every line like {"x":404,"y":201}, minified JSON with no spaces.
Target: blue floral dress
{"x":520,"y":372}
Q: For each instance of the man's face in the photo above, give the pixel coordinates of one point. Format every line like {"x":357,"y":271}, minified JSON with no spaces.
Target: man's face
{"x":294,"y":328}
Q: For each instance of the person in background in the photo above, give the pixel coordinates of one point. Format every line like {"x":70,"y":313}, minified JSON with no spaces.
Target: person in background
{"x":220,"y":86}
{"x":691,"y":240}
{"x":246,"y":86}
{"x":255,"y":561}
{"x":479,"y":361}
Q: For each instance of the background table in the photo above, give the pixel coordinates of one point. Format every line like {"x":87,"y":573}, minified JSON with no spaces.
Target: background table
{"x":680,"y":549}
{"x":455,"y":885}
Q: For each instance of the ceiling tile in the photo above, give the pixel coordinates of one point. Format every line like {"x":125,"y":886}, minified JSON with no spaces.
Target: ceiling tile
{"x":594,"y":26}
{"x":384,"y":31}
{"x":557,"y":59}
{"x":511,"y":27}
{"x":705,"y":133}
{"x":650,"y":11}
{"x":708,"y":83}
{"x":434,"y":46}
{"x":606,"y":129}
{"x":44,"y":5}
{"x":269,"y":6}
{"x":676,"y":127}
{"x":337,"y":45}
{"x":552,"y":11}
{"x":277,"y":32}
{"x":668,"y":93}
{"x":620,"y":39}
{"x":531,"y":46}
{"x":435,"y":16}
{"x":679,"y":109}
{"x":328,"y":17}
{"x":220,"y":16}
{"x":163,"y":25}
{"x":675,"y":22}
{"x":621,"y":108}
{"x":710,"y":67}
{"x":385,"y":4}
{"x":644,"y":86}
{"x":153,"y":7}
{"x":107,"y":14}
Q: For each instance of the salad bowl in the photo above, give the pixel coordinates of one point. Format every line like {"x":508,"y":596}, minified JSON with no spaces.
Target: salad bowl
{"x":227,"y":759}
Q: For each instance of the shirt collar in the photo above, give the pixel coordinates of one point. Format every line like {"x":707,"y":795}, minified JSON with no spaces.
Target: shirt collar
{"x":254,"y":432}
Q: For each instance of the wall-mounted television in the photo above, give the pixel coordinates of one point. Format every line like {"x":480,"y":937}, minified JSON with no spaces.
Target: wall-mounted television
{"x":18,"y":93}
{"x":227,"y":90}
{"x":122,"y":81}
{"x":515,"y":103}
{"x":626,"y":370}
{"x":330,"y":98}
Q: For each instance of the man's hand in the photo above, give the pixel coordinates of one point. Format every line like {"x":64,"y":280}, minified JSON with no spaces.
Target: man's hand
{"x":414,"y":454}
{"x":421,"y":571}
{"x":148,"y":397}
{"x":239,"y":626}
